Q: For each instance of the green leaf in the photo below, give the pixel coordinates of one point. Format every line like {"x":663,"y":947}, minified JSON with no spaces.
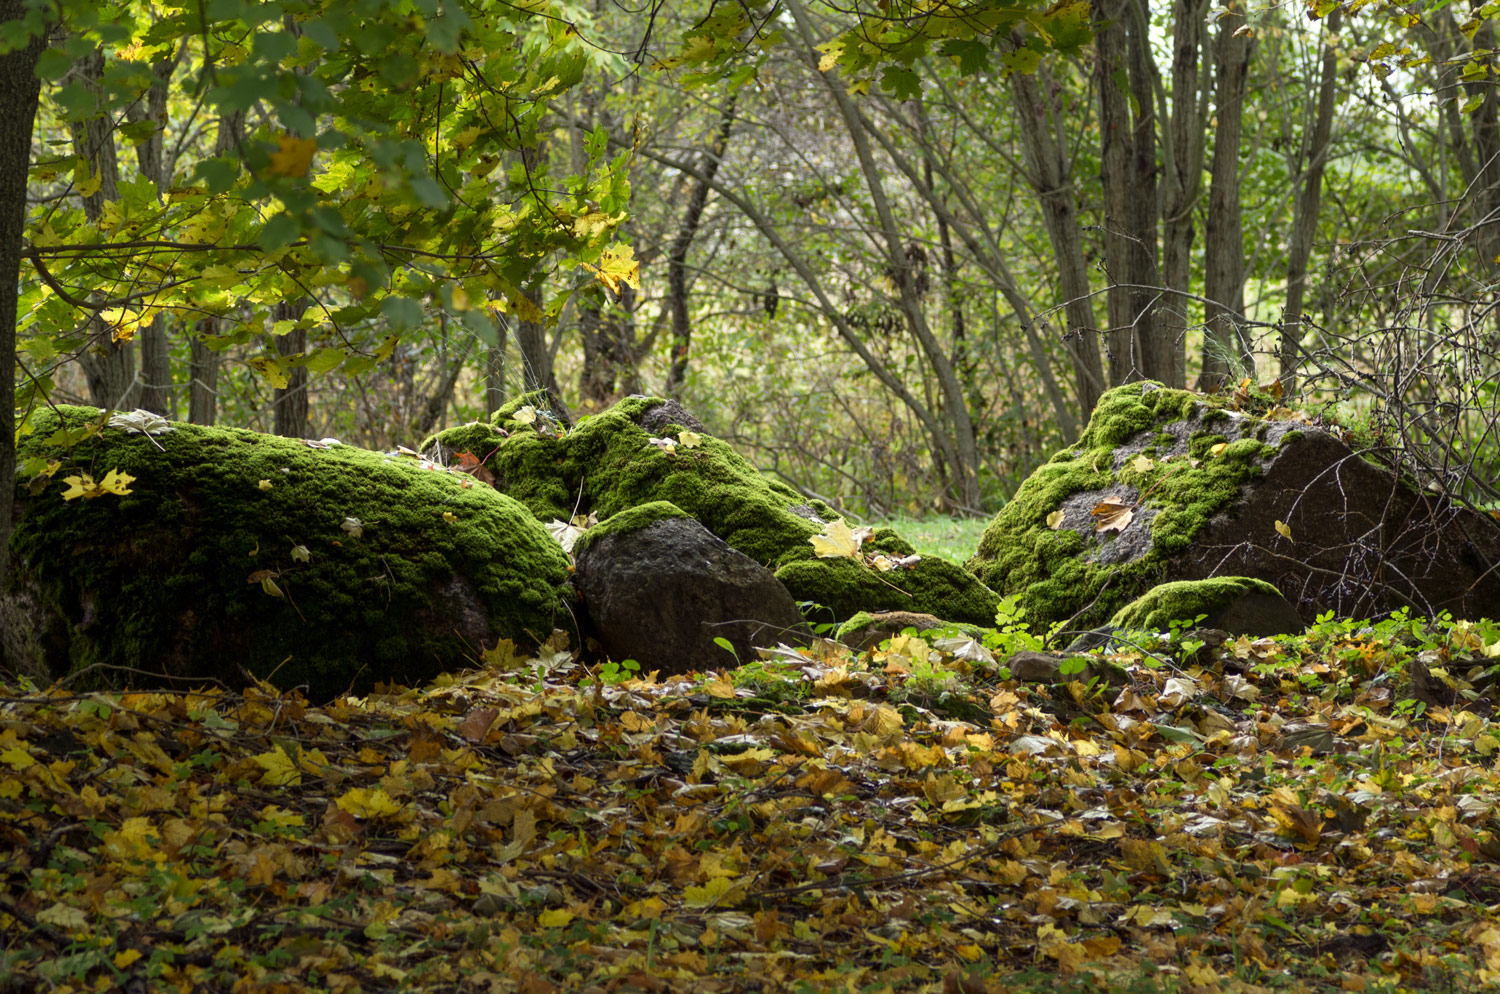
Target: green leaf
{"x":403,"y":313}
{"x":902,"y":83}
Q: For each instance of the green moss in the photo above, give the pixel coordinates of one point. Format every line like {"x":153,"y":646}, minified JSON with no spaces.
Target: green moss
{"x":160,"y":579}
{"x":932,"y":586}
{"x":1186,"y":600}
{"x":630,"y":520}
{"x":1057,"y":572}
{"x":608,"y":466}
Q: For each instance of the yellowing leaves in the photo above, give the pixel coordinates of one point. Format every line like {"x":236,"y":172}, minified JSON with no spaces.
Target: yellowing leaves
{"x":83,"y":485}
{"x":1284,"y":529}
{"x":365,"y":803}
{"x":1055,"y":520}
{"x":617,"y":266}
{"x":280,"y":769}
{"x":839,"y":540}
{"x":293,"y":156}
{"x":717,"y":891}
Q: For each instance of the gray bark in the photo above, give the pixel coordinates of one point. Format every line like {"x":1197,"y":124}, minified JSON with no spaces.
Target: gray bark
{"x":156,"y":393}
{"x":291,"y":407}
{"x":1225,"y":338}
{"x":108,"y":365}
{"x":1050,"y":175}
{"x":687,"y":230}
{"x":204,"y":362}
{"x":1185,"y":135}
{"x":1127,"y":130}
{"x":1313,"y":159}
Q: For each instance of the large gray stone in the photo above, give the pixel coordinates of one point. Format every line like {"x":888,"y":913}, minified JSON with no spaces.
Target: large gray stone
{"x":659,"y":589}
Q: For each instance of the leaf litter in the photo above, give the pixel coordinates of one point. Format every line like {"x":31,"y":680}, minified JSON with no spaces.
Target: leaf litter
{"x":1264,"y":815}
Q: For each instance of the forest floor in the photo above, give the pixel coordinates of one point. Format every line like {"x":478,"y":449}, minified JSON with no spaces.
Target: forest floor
{"x":1271,"y":815}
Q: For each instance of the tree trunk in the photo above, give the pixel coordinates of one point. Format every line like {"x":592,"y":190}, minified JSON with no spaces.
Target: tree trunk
{"x":494,"y":372}
{"x":204,"y":362}
{"x":20,"y":91}
{"x":1225,"y":340}
{"x":1186,"y":134}
{"x":1127,"y":130}
{"x":958,"y":446}
{"x":291,"y":401}
{"x":156,"y":392}
{"x":608,"y":339}
{"x":108,"y":363}
{"x":1051,"y":177}
{"x":203,"y":375}
{"x":1313,"y":159}
{"x":687,"y":230}
{"x":442,"y":396}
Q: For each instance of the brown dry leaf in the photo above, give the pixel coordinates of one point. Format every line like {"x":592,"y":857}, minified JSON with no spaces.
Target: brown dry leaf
{"x":1112,"y":515}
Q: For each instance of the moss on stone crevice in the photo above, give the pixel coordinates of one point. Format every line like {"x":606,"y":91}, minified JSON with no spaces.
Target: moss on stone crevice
{"x":630,"y":520}
{"x":161,"y":579}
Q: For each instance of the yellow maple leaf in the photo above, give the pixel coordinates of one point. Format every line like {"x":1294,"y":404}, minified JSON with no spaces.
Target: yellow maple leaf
{"x":617,"y":265}
{"x":363,"y":803}
{"x":1142,"y":464}
{"x":838,"y":540}
{"x":1055,"y":520}
{"x":1218,"y":450}
{"x":116,"y":482}
{"x":84,"y":485}
{"x":281,"y":769}
{"x":293,"y":156}
{"x":1284,"y":529}
{"x":711,"y":893}
{"x":554,"y":918}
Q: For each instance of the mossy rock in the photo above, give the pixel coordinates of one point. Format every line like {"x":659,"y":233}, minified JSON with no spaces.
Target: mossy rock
{"x":1210,"y":491}
{"x":608,"y":464}
{"x":1064,"y":569}
{"x":1241,"y":605}
{"x":180,"y":576}
{"x":867,"y":630}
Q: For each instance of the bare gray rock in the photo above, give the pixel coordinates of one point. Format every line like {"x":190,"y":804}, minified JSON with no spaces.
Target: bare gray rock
{"x":660,"y":594}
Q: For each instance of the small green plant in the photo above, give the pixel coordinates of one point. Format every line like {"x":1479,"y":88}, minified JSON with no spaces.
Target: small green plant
{"x":1011,"y":634}
{"x":613,"y":672}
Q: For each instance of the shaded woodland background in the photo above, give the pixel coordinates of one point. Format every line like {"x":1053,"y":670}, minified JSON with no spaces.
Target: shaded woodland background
{"x":897,"y":286}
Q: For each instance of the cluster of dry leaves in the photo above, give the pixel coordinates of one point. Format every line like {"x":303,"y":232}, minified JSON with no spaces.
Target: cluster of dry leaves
{"x":1270,"y":817}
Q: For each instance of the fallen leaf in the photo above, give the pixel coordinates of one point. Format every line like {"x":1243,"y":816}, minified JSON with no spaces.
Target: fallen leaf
{"x":1285,"y":530}
{"x":1055,"y":520}
{"x":837,"y":540}
{"x":1113,"y":515}
{"x":1218,"y":449}
{"x":1142,"y":464}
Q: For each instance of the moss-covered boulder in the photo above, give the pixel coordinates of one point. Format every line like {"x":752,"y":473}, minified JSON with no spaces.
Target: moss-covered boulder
{"x":313,"y":565}
{"x":1240,"y":605}
{"x":663,"y":590}
{"x":612,"y":462}
{"x":1169,"y":485}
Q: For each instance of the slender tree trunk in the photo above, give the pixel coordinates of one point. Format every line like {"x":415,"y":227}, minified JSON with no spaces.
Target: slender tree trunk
{"x":108,"y":363}
{"x":291,"y":401}
{"x":1127,"y":129}
{"x":203,"y":375}
{"x":20,"y":91}
{"x":204,"y":362}
{"x":957,"y":446}
{"x":1186,"y":134}
{"x":1313,"y":159}
{"x":608,"y":339}
{"x":1051,"y":177}
{"x":156,"y":355}
{"x":1225,"y":340}
{"x":494,"y":373}
{"x":687,"y":230}
{"x":442,"y":396}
